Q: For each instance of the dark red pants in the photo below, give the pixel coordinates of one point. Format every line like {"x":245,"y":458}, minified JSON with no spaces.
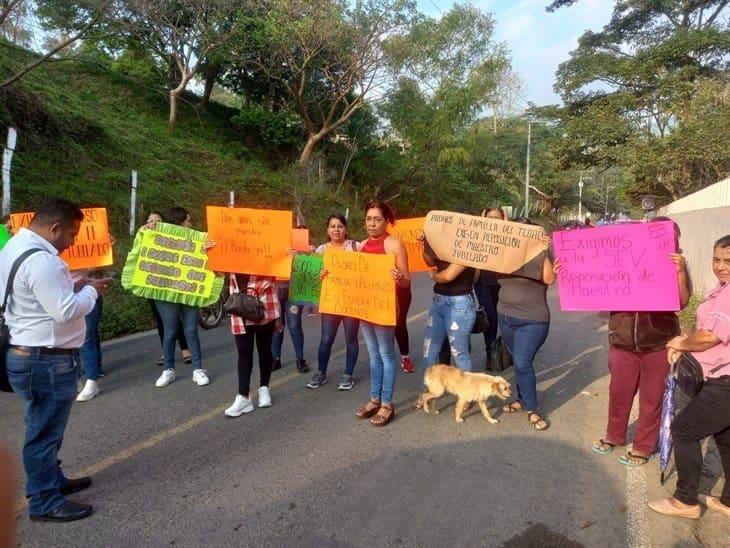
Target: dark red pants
{"x":631,"y":372}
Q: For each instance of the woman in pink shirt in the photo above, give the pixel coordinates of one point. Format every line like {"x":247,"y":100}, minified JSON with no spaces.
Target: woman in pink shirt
{"x":708,"y":414}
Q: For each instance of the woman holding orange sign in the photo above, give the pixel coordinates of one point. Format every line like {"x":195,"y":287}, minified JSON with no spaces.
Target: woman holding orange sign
{"x":380,"y":339}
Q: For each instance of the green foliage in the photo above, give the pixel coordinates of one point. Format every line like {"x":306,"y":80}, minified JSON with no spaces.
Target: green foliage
{"x":270,"y":128}
{"x":644,"y":92}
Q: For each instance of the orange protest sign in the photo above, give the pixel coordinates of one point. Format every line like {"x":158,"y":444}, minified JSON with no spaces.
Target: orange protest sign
{"x":300,"y":239}
{"x":92,"y":249}
{"x":359,"y":285}
{"x":408,"y":231}
{"x":249,"y":241}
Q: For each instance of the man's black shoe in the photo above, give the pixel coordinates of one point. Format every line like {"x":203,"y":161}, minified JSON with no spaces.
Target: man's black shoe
{"x":302,"y":366}
{"x":75,"y":485}
{"x":276,"y":364}
{"x":68,"y":511}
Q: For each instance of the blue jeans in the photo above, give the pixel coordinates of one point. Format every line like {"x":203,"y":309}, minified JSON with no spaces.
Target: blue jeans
{"x":488,"y":296}
{"x":450,"y":318}
{"x":47,"y":385}
{"x":380,"y":340}
{"x":330,"y":325}
{"x":293,"y":320}
{"x":170,"y":314}
{"x":523,"y":339}
{"x":91,"y":349}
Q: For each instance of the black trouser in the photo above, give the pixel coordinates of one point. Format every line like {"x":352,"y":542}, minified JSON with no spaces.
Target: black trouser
{"x":245,"y":343}
{"x":708,"y":414}
{"x":182,"y":341}
{"x":403,"y":298}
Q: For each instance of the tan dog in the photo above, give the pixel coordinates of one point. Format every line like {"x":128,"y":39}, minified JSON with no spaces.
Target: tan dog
{"x":467,"y":387}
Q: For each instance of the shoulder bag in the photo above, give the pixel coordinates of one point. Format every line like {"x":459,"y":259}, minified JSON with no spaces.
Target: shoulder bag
{"x":4,"y":331}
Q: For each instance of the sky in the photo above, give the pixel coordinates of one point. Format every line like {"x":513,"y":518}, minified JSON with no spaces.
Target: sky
{"x":538,"y":41}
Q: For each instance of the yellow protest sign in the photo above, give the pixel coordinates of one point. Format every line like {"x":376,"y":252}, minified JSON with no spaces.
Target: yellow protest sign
{"x":250,"y":241}
{"x":92,"y":248}
{"x":408,"y":231}
{"x":358,"y":285}
{"x":490,"y":244}
{"x":169,"y":264}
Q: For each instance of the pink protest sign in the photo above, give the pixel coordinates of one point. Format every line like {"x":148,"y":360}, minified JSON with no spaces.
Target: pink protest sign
{"x":618,"y":268}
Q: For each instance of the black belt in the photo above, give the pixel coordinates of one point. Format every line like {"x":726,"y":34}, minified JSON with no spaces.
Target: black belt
{"x":43,"y":350}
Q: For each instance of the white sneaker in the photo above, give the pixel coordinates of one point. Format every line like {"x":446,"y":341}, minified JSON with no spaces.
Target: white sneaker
{"x":264,"y":397}
{"x":90,"y":391}
{"x":168,"y":375}
{"x":200,"y":378}
{"x":240,"y":406}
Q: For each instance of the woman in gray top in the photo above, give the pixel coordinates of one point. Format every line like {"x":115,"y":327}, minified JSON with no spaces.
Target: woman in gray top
{"x":524,"y":321}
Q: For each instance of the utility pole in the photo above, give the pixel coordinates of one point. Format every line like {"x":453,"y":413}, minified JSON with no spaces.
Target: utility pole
{"x":133,"y":204}
{"x":527,"y":169}
{"x":527,"y":163}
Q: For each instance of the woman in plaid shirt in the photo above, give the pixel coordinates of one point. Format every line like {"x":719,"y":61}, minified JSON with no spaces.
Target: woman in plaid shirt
{"x":246,"y":333}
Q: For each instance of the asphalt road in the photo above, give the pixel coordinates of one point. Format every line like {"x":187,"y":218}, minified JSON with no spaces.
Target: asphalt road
{"x":170,"y":469}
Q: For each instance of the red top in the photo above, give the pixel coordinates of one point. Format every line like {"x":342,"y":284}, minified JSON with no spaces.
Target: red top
{"x":375,"y":245}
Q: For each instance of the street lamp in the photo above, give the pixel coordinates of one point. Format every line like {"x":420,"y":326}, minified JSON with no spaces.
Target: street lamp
{"x":527,"y":166}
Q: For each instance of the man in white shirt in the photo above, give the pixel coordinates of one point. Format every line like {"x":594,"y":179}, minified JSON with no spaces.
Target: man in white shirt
{"x":45,"y":317}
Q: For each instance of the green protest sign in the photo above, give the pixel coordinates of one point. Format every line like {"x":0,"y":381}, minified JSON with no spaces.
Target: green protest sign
{"x":169,"y":264}
{"x":305,"y":285}
{"x":4,"y":236}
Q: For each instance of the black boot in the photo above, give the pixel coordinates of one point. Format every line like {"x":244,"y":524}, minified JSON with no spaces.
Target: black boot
{"x":302,"y":366}
{"x":276,"y":364}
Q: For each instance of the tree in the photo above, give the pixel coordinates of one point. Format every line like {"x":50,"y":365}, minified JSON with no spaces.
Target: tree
{"x":87,"y":15}
{"x":327,"y":55}
{"x":181,"y":33}
{"x":447,"y":72}
{"x":628,"y":92}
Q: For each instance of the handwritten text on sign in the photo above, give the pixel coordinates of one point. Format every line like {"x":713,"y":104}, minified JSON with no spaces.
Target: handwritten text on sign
{"x":620,"y":267}
{"x":174,"y":260}
{"x":250,"y":241}
{"x":408,"y":231}
{"x":92,"y":248}
{"x":359,"y":285}
{"x":305,"y":285}
{"x":488,"y":244}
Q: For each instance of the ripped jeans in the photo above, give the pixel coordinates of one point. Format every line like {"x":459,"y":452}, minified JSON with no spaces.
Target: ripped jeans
{"x":452,"y":318}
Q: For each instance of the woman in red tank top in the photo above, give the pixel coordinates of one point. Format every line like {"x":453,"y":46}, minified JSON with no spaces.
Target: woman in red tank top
{"x":380,"y":339}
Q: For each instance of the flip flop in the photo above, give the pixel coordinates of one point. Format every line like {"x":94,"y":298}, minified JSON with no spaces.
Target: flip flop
{"x":602,"y":447}
{"x":626,"y":459}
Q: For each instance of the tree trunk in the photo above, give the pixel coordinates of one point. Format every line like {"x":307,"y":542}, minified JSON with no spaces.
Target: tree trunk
{"x":312,"y":142}
{"x":173,"y":110}
{"x":210,"y":79}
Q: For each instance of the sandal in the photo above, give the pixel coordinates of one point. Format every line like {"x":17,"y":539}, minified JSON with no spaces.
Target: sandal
{"x":417,"y":403}
{"x":384,"y":415}
{"x":603,"y":447}
{"x":160,"y":361}
{"x":634,"y":460}
{"x":368,"y":410}
{"x":514,"y":407}
{"x":539,"y":423}
{"x":188,"y":359}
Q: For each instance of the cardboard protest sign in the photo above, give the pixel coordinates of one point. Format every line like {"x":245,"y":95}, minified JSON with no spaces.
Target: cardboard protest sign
{"x":92,"y":249}
{"x":408,"y":231}
{"x":168,"y":264}
{"x":250,"y":241}
{"x":618,"y":268}
{"x":300,"y":239}
{"x":305,"y":285}
{"x":488,"y":244}
{"x":4,"y":236}
{"x":359,"y":285}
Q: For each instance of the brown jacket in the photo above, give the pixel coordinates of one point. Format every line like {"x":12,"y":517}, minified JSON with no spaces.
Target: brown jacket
{"x":642,"y":331}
